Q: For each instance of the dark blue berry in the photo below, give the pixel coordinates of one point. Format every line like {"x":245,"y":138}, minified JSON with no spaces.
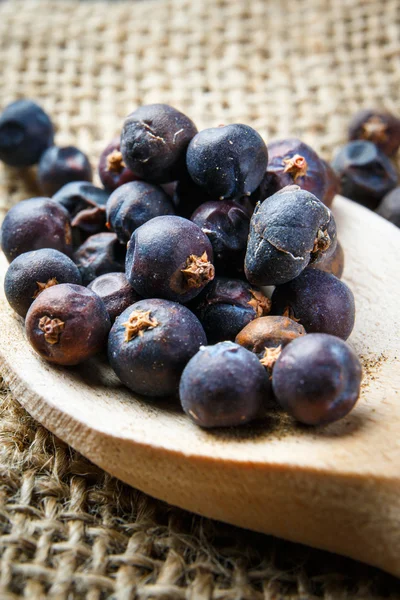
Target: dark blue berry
{"x":32,"y":272}
{"x":169,"y":257}
{"x":288,"y":231}
{"x":151,"y":342}
{"x":133,"y":204}
{"x":34,"y":224}
{"x":228,"y":162}
{"x":25,"y":133}
{"x":319,"y":301}
{"x":223,"y":386}
{"x":317,"y":379}
{"x":59,"y":166}
{"x":154,"y":140}
{"x":365,"y":172}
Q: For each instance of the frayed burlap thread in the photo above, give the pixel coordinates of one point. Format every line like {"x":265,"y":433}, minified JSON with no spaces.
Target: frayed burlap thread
{"x":291,"y":67}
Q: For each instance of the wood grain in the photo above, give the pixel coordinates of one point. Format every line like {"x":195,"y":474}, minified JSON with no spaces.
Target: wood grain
{"x":336,"y":488}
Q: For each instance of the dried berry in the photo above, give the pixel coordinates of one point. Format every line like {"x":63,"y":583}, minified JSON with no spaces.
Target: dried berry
{"x":32,"y":272}
{"x":226,"y":225}
{"x":365,"y":172}
{"x":333,"y":263}
{"x":383,"y":129}
{"x":99,"y":254}
{"x":133,"y":204}
{"x":151,"y":342}
{"x":86,"y":205}
{"x":317,"y":379}
{"x":154,"y":140}
{"x":319,"y":301}
{"x":226,"y":306}
{"x":287,"y":232}
{"x":169,"y":257}
{"x":267,"y":336}
{"x":59,"y":166}
{"x":115,"y":291}
{"x":389,"y":208}
{"x":25,"y":133}
{"x":228,"y":161}
{"x":223,"y":386}
{"x":112,"y":170}
{"x":67,"y":324}
{"x":34,"y":224}
{"x":294,"y":162}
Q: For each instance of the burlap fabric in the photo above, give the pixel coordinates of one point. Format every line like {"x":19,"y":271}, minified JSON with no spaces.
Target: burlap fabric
{"x":301,"y":67}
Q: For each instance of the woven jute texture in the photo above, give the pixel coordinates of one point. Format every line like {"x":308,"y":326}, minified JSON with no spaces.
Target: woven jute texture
{"x":288,"y":67}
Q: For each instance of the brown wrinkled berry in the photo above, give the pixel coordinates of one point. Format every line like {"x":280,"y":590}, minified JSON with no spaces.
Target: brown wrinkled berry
{"x":67,"y":324}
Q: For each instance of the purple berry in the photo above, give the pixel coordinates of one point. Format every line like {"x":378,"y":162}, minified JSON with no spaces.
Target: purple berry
{"x":169,"y":257}
{"x":25,"y":133}
{"x":151,"y":342}
{"x":317,"y":379}
{"x":59,"y":166}
{"x":223,"y":386}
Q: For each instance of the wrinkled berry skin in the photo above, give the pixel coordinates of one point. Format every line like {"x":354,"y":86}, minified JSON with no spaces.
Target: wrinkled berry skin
{"x":30,"y":272}
{"x":133,"y":204}
{"x":383,"y":129}
{"x":151,"y":363}
{"x":59,"y":166}
{"x":228,"y":161}
{"x":365,"y":172}
{"x":319,"y":301}
{"x":317,"y":379}
{"x":99,"y":254}
{"x":33,"y":224}
{"x":308,"y":171}
{"x":112,"y":170}
{"x":154,"y":140}
{"x":287,"y":232}
{"x":223,"y":386}
{"x":269,"y":332}
{"x":226,"y":225}
{"x":86,"y":205}
{"x":85,"y":324}
{"x":389,"y":208}
{"x":25,"y":133}
{"x":116,"y":293}
{"x":158,"y":254}
{"x":226,"y":306}
{"x":333,"y":263}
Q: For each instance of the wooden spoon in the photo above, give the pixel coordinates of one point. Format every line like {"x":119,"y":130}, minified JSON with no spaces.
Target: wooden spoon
{"x":336,"y":488}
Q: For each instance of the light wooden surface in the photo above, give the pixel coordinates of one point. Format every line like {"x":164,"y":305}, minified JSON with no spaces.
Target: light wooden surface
{"x":336,"y":488}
